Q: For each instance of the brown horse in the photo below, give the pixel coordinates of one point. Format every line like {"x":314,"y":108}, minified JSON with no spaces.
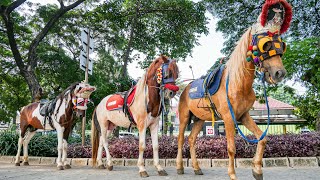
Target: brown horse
{"x":56,"y":114}
{"x":145,"y":110}
{"x":240,"y":69}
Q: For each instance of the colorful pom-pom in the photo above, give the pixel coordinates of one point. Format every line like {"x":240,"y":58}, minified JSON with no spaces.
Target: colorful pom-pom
{"x":254,"y":48}
{"x":250,"y":48}
{"x":256,"y":53}
{"x":248,"y":59}
{"x":256,"y":60}
{"x":249,"y":53}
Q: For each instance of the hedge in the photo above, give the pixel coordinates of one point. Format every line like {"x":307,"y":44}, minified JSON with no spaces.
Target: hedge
{"x":288,"y":145}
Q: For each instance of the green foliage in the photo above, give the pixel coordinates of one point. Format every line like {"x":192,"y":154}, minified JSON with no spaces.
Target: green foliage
{"x":8,"y":142}
{"x":167,"y":27}
{"x":308,"y":108}
{"x":302,"y":61}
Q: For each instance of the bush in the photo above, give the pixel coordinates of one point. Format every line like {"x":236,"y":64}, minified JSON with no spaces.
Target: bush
{"x":289,"y":145}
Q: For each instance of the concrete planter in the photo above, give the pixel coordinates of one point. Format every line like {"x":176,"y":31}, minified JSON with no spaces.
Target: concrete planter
{"x":172,"y":162}
{"x":303,"y":162}
{"x":203,"y":163}
{"x":276,"y":162}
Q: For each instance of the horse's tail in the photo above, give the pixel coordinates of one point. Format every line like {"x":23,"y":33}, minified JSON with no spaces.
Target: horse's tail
{"x":94,"y":138}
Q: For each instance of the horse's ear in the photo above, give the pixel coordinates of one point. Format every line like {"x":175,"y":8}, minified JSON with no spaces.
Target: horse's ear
{"x":164,"y":58}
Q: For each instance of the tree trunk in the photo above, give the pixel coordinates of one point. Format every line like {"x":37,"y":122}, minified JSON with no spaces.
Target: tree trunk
{"x":318,"y":123}
{"x":33,"y":84}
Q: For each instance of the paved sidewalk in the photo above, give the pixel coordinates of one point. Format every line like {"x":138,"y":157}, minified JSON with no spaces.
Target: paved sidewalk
{"x":10,"y":172}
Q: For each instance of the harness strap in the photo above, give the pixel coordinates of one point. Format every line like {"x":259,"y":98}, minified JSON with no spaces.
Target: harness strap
{"x":213,"y":119}
{"x":234,"y":119}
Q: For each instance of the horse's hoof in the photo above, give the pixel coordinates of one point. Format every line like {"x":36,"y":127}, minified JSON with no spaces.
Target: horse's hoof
{"x":162,"y":173}
{"x":257,"y":176}
{"x":17,"y":164}
{"x":101,"y":166}
{"x":180,"y":171}
{"x":198,"y":172}
{"x":60,"y":168}
{"x":144,"y":174}
{"x":233,"y":177}
{"x":26,"y":163}
{"x":67,"y":166}
{"x":110,"y":168}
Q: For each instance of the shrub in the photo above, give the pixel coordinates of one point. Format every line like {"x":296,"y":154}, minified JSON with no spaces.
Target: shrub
{"x":289,"y":145}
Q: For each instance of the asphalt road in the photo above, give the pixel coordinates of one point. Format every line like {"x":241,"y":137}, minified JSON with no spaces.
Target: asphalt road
{"x":11,"y":172}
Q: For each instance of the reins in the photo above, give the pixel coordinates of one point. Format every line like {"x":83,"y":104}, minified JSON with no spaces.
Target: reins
{"x":233,"y":116}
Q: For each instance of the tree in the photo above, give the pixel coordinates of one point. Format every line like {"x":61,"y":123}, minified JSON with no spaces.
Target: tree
{"x":27,"y":61}
{"x":149,"y":27}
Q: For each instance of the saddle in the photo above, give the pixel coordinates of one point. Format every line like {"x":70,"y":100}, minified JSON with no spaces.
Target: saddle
{"x":207,"y":85}
{"x":46,"y":109}
{"x":122,"y":100}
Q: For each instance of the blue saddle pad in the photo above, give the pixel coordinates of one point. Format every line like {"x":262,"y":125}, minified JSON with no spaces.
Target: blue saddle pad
{"x":211,"y":82}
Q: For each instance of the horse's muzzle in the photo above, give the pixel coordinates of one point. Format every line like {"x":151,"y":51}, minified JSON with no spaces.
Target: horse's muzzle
{"x":276,"y":76}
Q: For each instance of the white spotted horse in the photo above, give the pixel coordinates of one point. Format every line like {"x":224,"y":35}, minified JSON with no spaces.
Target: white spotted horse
{"x":57,"y":114}
{"x":142,"y":106}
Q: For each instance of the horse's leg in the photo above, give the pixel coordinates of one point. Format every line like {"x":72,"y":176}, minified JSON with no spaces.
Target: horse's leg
{"x":142,"y":147}
{"x":64,"y":154}
{"x":155,"y":147}
{"x":182,"y":127}
{"x":248,"y":122}
{"x":230,"y":132}
{"x":20,"y":142}
{"x":184,"y":116}
{"x":60,"y":147}
{"x":25,"y":147}
{"x":99,"y":154}
{"x":106,"y":148}
{"x":197,"y":126}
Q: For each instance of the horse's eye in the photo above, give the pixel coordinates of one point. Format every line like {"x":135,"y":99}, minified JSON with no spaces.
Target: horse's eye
{"x":267,"y":46}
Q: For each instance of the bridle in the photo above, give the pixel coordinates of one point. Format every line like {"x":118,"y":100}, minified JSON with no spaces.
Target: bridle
{"x":264,"y":46}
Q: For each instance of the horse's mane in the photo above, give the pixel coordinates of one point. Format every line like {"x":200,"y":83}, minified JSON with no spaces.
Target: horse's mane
{"x":173,"y":68}
{"x":235,"y":65}
{"x":70,"y":89}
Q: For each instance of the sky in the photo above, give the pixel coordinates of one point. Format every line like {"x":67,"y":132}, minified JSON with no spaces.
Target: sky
{"x":202,"y":57}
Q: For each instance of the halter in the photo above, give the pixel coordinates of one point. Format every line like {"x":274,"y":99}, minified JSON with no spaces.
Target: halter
{"x":264,"y":46}
{"x":81,"y":99}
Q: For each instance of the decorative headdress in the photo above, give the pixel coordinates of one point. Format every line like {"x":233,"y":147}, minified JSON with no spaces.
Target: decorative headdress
{"x":274,"y":20}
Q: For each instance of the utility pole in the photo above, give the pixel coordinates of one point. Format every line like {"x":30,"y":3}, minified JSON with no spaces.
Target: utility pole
{"x":86,"y":64}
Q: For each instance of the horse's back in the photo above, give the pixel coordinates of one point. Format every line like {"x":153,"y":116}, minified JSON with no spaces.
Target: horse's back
{"x":117,"y":117}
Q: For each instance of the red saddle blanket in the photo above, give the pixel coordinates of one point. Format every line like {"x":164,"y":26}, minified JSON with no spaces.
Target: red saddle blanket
{"x":116,"y":101}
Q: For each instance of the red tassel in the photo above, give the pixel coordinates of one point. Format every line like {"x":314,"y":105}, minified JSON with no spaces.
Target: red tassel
{"x":288,"y":13}
{"x":171,"y":87}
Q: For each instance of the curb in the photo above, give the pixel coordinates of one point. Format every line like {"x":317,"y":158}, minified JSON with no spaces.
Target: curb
{"x":205,"y":163}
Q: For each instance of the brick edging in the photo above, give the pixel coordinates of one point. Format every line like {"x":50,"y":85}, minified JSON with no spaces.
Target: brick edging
{"x":204,"y":163}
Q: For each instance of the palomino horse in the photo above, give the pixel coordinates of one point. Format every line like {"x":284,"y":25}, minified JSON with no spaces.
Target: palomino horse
{"x":240,"y":71}
{"x":58,"y":114}
{"x":145,"y":110}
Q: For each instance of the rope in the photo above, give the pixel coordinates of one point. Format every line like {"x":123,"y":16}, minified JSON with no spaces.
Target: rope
{"x":234,"y":119}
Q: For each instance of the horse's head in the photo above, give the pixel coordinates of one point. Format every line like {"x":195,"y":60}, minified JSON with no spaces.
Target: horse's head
{"x":268,"y":49}
{"x":266,"y":46}
{"x":165,"y":71}
{"x":80,"y":97}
